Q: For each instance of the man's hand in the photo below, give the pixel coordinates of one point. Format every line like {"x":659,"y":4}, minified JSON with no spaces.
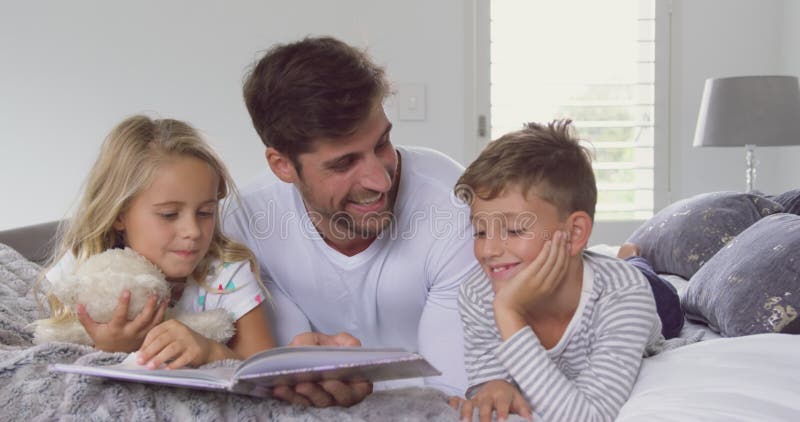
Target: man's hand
{"x":119,"y":334}
{"x":494,"y":396}
{"x":324,"y":393}
{"x":321,"y":339}
{"x":533,"y":284}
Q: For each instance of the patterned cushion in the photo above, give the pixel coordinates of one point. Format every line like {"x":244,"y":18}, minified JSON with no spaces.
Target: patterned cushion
{"x":752,"y":285}
{"x":790,"y":200}
{"x":683,"y":236}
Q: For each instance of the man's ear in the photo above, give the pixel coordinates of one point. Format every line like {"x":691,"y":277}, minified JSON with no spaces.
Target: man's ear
{"x":579,"y":225}
{"x":281,"y":165}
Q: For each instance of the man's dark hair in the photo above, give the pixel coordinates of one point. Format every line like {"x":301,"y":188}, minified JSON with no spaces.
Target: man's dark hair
{"x":313,"y":88}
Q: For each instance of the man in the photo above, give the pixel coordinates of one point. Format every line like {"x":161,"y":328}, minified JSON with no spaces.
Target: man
{"x":362,"y":238}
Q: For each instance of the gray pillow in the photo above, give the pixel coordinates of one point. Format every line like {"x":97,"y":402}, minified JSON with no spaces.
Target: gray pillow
{"x":752,"y":285}
{"x":790,"y":200}
{"x":680,"y":238}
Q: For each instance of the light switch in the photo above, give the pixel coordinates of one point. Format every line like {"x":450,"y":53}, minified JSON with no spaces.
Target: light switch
{"x":410,"y":101}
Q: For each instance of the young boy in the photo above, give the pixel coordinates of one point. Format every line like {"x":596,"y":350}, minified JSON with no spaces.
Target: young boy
{"x":550,"y":327}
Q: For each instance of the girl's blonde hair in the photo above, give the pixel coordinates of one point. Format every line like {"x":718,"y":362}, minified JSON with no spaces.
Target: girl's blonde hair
{"x":129,"y":157}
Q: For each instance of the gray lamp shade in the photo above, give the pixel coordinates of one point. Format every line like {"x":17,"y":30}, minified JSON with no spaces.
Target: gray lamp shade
{"x":749,"y":110}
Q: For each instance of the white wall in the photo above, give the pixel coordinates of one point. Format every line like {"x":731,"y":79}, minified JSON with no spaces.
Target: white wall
{"x":790,"y":65}
{"x":717,"y":38}
{"x":70,"y":70}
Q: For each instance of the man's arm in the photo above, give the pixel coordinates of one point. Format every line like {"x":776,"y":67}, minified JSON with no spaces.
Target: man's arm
{"x":285,"y":317}
{"x":440,"y":333}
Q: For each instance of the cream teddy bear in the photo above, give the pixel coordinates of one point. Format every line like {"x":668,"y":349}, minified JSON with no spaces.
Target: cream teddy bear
{"x":98,"y":284}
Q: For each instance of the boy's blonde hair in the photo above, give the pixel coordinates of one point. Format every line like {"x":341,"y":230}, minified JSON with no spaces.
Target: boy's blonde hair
{"x":548,"y":161}
{"x":129,"y":157}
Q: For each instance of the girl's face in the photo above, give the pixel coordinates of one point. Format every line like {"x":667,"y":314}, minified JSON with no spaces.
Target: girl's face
{"x":171,"y":222}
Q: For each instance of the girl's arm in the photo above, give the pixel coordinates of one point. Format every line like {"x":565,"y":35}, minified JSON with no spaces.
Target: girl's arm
{"x":174,"y":342}
{"x":253,"y":334}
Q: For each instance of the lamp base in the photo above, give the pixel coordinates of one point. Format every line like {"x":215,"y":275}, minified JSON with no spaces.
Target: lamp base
{"x":750,"y":169}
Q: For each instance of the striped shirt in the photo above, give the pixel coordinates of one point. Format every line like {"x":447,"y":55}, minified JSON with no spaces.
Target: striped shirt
{"x":589,"y":374}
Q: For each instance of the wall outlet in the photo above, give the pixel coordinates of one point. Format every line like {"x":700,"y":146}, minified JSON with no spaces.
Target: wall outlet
{"x":411,"y":101}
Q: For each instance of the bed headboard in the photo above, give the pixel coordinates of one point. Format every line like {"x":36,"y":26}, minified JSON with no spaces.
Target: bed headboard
{"x":34,"y":242}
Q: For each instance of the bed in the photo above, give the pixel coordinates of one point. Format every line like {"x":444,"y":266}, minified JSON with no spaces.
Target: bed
{"x":744,"y":378}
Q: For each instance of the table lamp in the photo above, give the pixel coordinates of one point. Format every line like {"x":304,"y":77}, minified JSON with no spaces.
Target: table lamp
{"x":749,"y":111}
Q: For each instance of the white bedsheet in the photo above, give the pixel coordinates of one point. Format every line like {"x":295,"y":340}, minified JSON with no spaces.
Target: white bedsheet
{"x":752,"y":378}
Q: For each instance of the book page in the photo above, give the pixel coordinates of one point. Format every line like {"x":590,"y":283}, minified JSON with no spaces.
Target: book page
{"x":128,"y":369}
{"x":316,"y":358}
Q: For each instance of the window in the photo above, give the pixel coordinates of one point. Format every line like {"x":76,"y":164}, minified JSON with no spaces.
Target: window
{"x":595,"y":63}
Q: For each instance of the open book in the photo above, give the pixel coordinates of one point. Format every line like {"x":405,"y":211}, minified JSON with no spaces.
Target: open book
{"x":279,"y":366}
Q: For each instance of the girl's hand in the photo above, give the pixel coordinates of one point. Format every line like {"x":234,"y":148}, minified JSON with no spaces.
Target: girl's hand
{"x":119,"y":334}
{"x":174,"y":342}
{"x":534,"y":283}
{"x":495,"y":396}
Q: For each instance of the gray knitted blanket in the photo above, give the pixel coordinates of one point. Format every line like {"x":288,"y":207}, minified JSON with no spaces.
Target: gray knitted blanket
{"x":30,"y":392}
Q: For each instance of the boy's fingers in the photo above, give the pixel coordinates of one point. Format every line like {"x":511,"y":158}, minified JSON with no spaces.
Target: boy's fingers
{"x":534,"y":267}
{"x":453,"y":402}
{"x":502,"y":406}
{"x":520,"y":406}
{"x":556,"y":250}
{"x":485,"y":410}
{"x":466,"y":410}
{"x":555,"y":266}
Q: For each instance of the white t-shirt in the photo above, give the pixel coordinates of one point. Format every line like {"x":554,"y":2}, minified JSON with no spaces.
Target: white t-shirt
{"x":230,"y":286}
{"x":402,"y":291}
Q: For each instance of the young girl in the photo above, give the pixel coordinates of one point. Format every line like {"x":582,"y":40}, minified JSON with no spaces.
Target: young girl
{"x":156,"y":188}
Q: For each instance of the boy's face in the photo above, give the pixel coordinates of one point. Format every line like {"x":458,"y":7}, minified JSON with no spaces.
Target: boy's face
{"x":510,"y":231}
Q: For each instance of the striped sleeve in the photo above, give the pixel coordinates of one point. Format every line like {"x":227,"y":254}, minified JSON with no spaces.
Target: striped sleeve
{"x":609,"y":371}
{"x":480,"y":334}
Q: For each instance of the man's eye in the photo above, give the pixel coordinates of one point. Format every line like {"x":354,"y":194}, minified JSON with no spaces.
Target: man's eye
{"x":169,"y":215}
{"x":479,"y":235}
{"x":342,"y":166}
{"x":515,"y":232}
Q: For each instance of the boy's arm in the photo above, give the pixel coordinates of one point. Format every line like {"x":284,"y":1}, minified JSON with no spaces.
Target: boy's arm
{"x":480,"y":336}
{"x":605,"y":382}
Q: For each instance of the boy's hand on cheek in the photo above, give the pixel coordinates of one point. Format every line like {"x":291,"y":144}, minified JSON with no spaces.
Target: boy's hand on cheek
{"x":533,"y":284}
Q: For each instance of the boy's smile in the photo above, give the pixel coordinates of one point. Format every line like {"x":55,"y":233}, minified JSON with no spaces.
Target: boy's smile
{"x":510,"y":231}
